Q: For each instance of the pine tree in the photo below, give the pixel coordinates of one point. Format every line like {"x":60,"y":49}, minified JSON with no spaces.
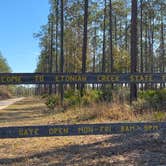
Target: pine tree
{"x":133,"y":86}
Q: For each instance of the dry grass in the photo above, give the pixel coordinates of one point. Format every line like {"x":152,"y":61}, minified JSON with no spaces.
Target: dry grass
{"x":15,"y":148}
{"x":59,"y":150}
{"x":107,"y":112}
{"x":32,"y":111}
{"x":4,"y":93}
{"x":25,"y":112}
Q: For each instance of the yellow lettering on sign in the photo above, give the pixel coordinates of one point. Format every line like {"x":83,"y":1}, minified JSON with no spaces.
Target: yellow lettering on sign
{"x":57,"y":79}
{"x":10,"y":79}
{"x":141,"y":78}
{"x":151,"y":127}
{"x":148,"y":78}
{"x":105,"y":128}
{"x":127,"y":128}
{"x":163,"y":77}
{"x":85,"y":130}
{"x":63,"y":78}
{"x":39,"y":78}
{"x":58,"y":130}
{"x":28,"y":132}
{"x":155,"y":127}
{"x":71,"y":78}
{"x":107,"y":78}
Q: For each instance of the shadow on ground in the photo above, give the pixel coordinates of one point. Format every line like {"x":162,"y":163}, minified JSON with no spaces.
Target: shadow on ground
{"x":25,"y":109}
{"x":116,"y":150}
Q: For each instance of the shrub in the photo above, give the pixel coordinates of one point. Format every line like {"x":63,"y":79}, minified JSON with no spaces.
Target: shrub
{"x":159,"y":116}
{"x":106,"y":111}
{"x":140,"y":105}
{"x":154,"y":98}
{"x":107,"y":94}
{"x":72,"y":98}
{"x":115,"y":94}
{"x":91,"y":96}
{"x":52,"y":101}
{"x":121,"y":95}
{"x":44,"y":96}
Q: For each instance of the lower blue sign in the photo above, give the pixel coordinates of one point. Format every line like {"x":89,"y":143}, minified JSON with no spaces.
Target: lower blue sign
{"x":80,"y":129}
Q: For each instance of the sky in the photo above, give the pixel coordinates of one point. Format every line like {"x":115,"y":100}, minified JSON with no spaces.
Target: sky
{"x":19,"y":20}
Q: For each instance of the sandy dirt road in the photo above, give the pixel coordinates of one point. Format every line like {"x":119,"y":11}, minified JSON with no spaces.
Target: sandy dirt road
{"x":6,"y":103}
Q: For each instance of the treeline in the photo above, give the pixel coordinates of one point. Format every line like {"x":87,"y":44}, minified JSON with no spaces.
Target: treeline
{"x":23,"y":91}
{"x":4,"y":67}
{"x":5,"y":91}
{"x":103,"y":36}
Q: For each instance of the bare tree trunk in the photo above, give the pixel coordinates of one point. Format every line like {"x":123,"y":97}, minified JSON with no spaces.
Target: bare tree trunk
{"x":111,"y":46}
{"x":62,"y":50}
{"x":104,"y":33}
{"x":115,"y":35}
{"x":94,"y":53}
{"x":56,"y":40}
{"x":141,"y":41}
{"x":85,"y":38}
{"x":133,"y":86}
{"x":51,"y":49}
{"x":162,"y":44}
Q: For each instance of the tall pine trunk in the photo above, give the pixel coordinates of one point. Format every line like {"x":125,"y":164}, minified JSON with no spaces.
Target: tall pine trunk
{"x":94,"y":52}
{"x":110,"y":32}
{"x":141,"y":38}
{"x":104,"y":36}
{"x":133,"y":86}
{"x":51,"y":26}
{"x":62,"y":49}
{"x":85,"y":38}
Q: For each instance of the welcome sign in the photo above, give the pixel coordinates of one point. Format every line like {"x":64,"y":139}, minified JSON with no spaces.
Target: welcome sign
{"x":74,"y":78}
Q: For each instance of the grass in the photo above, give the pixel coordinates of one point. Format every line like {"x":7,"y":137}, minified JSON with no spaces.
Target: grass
{"x":32,"y":111}
{"x":55,"y":150}
{"x":4,"y":93}
{"x":25,"y":112}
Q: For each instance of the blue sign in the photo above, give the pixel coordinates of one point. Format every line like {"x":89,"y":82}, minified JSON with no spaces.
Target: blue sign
{"x":79,"y":129}
{"x":74,"y":78}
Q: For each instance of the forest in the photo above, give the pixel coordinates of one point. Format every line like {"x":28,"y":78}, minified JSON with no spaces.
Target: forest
{"x":115,"y":36}
{"x":110,"y":36}
{"x":5,"y":92}
{"x":50,"y":122}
